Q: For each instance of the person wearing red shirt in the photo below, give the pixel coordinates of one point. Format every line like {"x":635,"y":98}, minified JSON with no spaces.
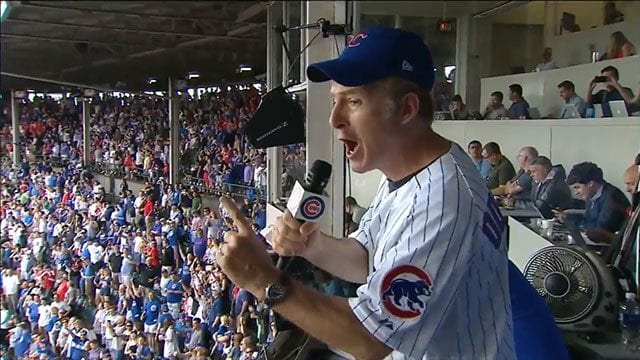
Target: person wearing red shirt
{"x":147,"y":212}
{"x":61,"y":292}
{"x":66,"y":197}
{"x":152,"y":253}
{"x":48,"y":279}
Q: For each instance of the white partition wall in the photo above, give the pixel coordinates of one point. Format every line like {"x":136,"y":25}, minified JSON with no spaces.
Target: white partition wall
{"x":573,"y":48}
{"x":540,"y":88}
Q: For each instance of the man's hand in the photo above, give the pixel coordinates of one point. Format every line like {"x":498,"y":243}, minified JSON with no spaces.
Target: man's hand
{"x":242,"y":257}
{"x":560,"y":215}
{"x":290,"y":237}
{"x":509,"y":201}
{"x":612,"y":82}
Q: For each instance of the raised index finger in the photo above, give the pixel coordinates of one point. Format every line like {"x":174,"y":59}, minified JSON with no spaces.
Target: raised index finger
{"x":244,"y":227}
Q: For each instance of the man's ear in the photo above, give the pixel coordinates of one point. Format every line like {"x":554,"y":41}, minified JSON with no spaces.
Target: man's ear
{"x":409,"y":107}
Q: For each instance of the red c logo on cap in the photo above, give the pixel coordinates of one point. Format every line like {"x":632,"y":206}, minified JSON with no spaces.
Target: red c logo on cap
{"x":356,"y":39}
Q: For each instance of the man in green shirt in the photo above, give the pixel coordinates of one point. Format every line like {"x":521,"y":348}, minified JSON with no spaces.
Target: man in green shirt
{"x":196,"y":201}
{"x":501,"y":168}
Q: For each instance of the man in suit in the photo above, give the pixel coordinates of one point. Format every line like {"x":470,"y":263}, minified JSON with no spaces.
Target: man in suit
{"x":550,"y":190}
{"x":606,"y":206}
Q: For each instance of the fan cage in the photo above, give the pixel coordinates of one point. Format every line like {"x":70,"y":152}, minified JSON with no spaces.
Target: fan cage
{"x":578,"y":303}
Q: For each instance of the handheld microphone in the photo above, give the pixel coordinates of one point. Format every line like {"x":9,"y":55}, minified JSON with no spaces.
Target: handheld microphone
{"x":307,"y":202}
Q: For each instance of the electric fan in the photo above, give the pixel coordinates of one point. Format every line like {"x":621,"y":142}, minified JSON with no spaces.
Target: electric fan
{"x":577,"y":286}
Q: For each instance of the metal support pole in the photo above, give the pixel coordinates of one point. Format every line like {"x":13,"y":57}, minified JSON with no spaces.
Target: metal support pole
{"x":15,"y":122}
{"x":174,"y":134}
{"x":86,"y":132}
{"x":274,"y":62}
{"x":397,"y":20}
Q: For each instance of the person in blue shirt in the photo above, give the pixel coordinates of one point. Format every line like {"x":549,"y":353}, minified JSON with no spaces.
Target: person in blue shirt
{"x":519,"y":108}
{"x":144,"y":351}
{"x":173,"y":238}
{"x":164,"y":316}
{"x":260,"y":215}
{"x":474,"y":149}
{"x":21,"y":340}
{"x":606,"y":206}
{"x":531,"y":318}
{"x":175,"y":198}
{"x":119,"y":217}
{"x":27,"y":219}
{"x":77,"y":348}
{"x":150,"y":314}
{"x":33,"y":312}
{"x":43,"y":350}
{"x":216,"y":311}
{"x":175,"y":293}
{"x":199,"y":244}
{"x":135,"y":308}
{"x":570,"y":98}
{"x":157,"y":228}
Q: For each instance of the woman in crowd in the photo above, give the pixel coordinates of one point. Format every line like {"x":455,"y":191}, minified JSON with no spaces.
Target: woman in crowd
{"x":619,"y":47}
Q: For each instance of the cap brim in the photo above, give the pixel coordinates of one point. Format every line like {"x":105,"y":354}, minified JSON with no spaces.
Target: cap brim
{"x":344,"y":72}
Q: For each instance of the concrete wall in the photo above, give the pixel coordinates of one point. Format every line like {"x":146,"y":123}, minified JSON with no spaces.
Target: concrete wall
{"x":573,"y":48}
{"x":515,"y":45}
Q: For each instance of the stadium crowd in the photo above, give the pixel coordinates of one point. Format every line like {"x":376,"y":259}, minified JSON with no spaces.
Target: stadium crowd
{"x":89,"y":275}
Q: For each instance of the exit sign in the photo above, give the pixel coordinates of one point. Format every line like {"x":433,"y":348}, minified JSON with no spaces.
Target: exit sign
{"x":445,"y":26}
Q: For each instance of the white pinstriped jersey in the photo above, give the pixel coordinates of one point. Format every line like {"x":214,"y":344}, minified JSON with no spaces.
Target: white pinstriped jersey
{"x":437,"y":286}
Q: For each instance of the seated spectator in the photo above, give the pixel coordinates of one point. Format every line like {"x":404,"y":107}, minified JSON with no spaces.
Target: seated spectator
{"x":475,"y":152}
{"x":568,"y":94}
{"x":458,"y":109}
{"x":632,"y":102}
{"x":520,"y":186}
{"x":606,"y":206}
{"x":611,"y":14}
{"x":547,"y":63}
{"x":501,"y":168}
{"x":519,"y":109}
{"x":619,"y":47}
{"x":550,"y":191}
{"x":495,"y":110}
{"x":612,"y":91}
{"x":354,"y":213}
{"x":630,"y":179}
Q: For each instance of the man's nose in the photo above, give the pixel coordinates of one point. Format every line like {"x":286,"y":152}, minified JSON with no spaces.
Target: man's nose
{"x":337,"y":119}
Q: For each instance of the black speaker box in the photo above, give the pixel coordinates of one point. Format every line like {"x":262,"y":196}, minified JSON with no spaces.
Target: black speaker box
{"x":279,"y":120}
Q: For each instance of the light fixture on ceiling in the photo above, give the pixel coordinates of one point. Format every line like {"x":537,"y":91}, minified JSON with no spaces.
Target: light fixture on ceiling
{"x":20,"y":94}
{"x":4,"y":9}
{"x":151,"y":81}
{"x":244,"y":68}
{"x":89,"y":93}
{"x":193,"y":75}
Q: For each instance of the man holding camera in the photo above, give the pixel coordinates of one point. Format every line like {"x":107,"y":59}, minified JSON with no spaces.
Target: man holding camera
{"x":609,"y":76}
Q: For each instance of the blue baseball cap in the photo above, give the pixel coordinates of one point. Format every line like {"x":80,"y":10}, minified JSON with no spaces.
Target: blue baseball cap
{"x":377,"y":53}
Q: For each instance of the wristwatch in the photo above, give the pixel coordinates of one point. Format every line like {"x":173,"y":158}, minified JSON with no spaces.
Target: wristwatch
{"x":276,"y":293}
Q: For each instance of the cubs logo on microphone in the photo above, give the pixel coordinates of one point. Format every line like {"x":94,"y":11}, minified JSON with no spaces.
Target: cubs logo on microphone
{"x":405,"y":291}
{"x":312,"y":207}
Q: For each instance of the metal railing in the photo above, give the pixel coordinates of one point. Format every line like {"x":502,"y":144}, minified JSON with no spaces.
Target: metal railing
{"x":204,"y":188}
